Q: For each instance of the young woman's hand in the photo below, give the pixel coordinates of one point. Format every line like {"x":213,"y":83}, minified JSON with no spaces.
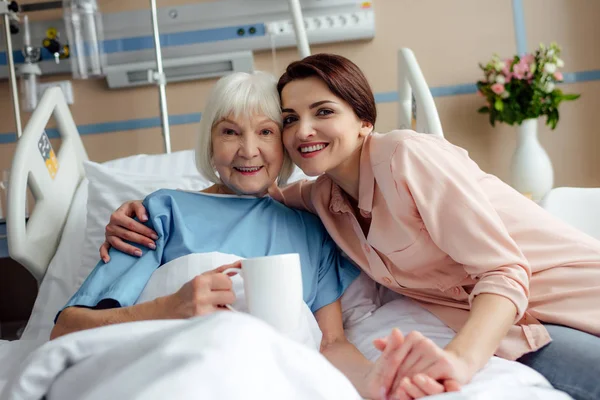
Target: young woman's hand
{"x":382,"y":377}
{"x":420,"y":360}
{"x":123,"y":227}
{"x":202,"y":295}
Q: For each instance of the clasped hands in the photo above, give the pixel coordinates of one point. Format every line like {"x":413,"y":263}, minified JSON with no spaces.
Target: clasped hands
{"x":412,"y":367}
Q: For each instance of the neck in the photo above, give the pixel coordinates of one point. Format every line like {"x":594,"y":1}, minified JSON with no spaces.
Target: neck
{"x":347,"y":174}
{"x":219,"y":188}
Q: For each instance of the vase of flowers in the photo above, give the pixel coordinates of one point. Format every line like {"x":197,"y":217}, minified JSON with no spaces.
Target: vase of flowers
{"x":519,"y":91}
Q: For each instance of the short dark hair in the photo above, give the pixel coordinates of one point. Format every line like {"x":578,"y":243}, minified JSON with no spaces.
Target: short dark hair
{"x":343,"y":78}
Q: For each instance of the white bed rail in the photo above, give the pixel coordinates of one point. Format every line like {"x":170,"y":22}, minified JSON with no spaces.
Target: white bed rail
{"x":411,"y":80}
{"x":53,"y":184}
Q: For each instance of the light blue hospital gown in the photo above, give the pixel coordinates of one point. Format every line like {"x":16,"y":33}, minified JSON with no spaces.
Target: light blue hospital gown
{"x":245,"y":226}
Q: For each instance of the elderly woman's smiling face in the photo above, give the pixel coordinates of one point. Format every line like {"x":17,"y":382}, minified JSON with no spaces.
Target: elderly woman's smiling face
{"x":247,"y":153}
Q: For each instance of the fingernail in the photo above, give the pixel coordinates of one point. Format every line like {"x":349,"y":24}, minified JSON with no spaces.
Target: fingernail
{"x":105,"y":259}
{"x":138,"y":253}
{"x":382,"y":394}
{"x":152,"y":246}
{"x":144,"y":217}
{"x":419,"y":378}
{"x":154,"y":236}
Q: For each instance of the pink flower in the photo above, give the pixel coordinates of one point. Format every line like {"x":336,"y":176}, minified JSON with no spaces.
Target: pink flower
{"x":558,"y":76}
{"x":497,"y":88}
{"x":518,"y":74}
{"x":521,"y":70}
{"x":528,"y":58}
{"x":507,"y":65}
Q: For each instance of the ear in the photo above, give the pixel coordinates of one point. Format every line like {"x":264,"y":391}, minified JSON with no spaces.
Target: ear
{"x":365,"y":129}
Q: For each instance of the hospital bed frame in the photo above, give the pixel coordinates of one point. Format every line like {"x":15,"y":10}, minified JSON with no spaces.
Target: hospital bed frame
{"x":33,"y":243}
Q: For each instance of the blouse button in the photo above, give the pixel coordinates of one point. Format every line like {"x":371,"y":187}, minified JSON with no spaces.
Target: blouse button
{"x":367,"y":248}
{"x":387,"y":280}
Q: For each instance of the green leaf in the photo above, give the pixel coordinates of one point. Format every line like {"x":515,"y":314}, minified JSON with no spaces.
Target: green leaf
{"x":484,"y":110}
{"x":552,"y":118}
{"x":499,"y":105}
{"x":569,"y":97}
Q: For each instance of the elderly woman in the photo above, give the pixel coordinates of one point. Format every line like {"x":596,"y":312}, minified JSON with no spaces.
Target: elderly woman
{"x":240,"y":149}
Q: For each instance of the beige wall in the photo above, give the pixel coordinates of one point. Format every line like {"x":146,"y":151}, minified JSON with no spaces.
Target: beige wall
{"x":449,"y":39}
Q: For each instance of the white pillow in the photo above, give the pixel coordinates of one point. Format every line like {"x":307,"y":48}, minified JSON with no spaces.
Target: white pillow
{"x":179,"y":163}
{"x":108,"y":188}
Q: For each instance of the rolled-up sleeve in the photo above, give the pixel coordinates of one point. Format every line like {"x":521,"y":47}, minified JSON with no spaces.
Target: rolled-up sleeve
{"x":443,"y":183}
{"x":120,"y":282}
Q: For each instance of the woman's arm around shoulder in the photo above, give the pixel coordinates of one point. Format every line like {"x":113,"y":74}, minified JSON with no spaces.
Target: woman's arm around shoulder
{"x":295,"y":195}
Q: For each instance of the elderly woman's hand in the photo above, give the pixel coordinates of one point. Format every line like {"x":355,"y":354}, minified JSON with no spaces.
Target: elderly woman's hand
{"x":202,"y":295}
{"x":123,"y":227}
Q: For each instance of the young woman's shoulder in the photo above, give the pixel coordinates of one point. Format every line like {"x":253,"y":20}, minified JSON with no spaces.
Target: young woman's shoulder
{"x":385,"y":146}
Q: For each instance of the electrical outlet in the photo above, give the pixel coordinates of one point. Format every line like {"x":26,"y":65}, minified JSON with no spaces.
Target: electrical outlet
{"x":323,"y":23}
{"x":66,"y":86}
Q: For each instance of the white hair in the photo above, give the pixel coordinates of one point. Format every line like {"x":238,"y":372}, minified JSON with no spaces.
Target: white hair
{"x":240,"y":95}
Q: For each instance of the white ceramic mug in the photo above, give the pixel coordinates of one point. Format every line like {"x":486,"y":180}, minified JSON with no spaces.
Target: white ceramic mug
{"x":273,"y":289}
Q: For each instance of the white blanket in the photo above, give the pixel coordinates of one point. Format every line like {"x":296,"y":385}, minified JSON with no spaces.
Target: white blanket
{"x":222,"y":356}
{"x":232,"y":355}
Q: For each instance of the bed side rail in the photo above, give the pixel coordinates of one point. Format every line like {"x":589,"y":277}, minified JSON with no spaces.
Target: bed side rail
{"x":52,"y":180}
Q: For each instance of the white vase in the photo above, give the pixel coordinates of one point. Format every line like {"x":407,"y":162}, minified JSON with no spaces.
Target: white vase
{"x":531,"y":168}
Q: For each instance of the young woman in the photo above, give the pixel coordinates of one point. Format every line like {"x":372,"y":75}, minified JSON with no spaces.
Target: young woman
{"x":420,"y":217}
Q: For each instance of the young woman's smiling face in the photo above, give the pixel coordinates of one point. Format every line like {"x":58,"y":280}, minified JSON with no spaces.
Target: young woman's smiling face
{"x":321,"y":132}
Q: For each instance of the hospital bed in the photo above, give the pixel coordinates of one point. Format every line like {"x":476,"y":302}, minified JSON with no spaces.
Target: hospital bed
{"x":59,"y":244}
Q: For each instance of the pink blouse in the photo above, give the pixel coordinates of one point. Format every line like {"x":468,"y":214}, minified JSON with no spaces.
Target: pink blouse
{"x":443,"y":231}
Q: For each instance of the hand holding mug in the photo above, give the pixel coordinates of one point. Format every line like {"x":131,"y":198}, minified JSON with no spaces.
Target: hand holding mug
{"x":204,"y":294}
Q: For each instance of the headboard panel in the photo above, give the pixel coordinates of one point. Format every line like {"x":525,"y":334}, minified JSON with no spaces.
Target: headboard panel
{"x":52,"y":179}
